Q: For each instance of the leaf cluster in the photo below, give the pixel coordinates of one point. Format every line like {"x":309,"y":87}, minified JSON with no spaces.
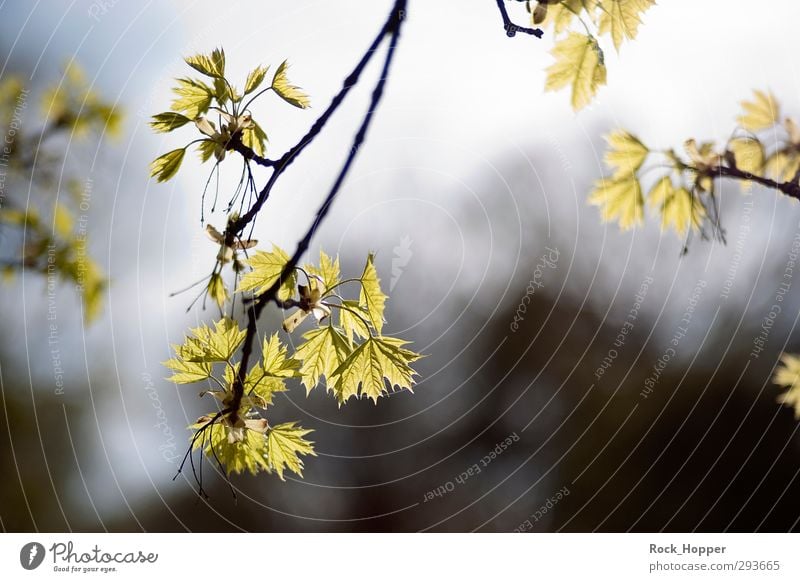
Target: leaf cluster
{"x":346,"y":351}
{"x":579,"y":26}
{"x":680,"y":186}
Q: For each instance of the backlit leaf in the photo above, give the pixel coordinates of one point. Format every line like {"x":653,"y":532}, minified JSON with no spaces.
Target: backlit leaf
{"x":761,"y":113}
{"x":285,"y":444}
{"x":372,"y":299}
{"x":626,"y":153}
{"x":212,"y":65}
{"x":165,"y":167}
{"x":267,"y":268}
{"x":371,"y":366}
{"x":288,"y":92}
{"x":254,"y":79}
{"x":579,"y":65}
{"x":167,"y":121}
{"x":619,"y":200}
{"x":321,"y":354}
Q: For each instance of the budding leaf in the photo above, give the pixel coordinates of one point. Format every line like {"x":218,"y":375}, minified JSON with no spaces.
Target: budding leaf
{"x":678,"y":207}
{"x":787,"y":374}
{"x":186,"y":372}
{"x":285,"y":444}
{"x":288,"y":92}
{"x":194,"y":97}
{"x":321,"y":354}
{"x":372,"y":299}
{"x":214,"y":345}
{"x":165,"y":167}
{"x":168,"y":121}
{"x":578,"y":65}
{"x":619,"y":200}
{"x":267,"y":269}
{"x":626,"y":153}
{"x":212,"y":65}
{"x":254,"y":79}
{"x":761,"y":113}
{"x":622,"y":19}
{"x":371,"y":365}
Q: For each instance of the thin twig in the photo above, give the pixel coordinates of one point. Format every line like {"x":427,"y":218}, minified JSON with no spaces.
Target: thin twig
{"x":511,"y":28}
{"x":391,"y":29}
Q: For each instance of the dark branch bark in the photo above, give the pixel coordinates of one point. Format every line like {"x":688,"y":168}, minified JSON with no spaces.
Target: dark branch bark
{"x":791,"y":188}
{"x":511,"y":28}
{"x":390,"y":29}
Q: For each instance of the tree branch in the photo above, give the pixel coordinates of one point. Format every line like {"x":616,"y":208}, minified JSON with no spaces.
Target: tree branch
{"x":791,"y":188}
{"x":511,"y":28}
{"x":391,"y":28}
{"x":280,"y":165}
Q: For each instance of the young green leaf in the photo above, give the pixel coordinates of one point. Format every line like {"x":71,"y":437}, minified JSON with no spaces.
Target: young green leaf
{"x":217,"y":290}
{"x":254,"y":79}
{"x":352,"y":318}
{"x":579,"y":65}
{"x":165,"y":167}
{"x":787,"y":375}
{"x":678,"y":207}
{"x":237,"y":449}
{"x":214,"y":345}
{"x":761,"y":113}
{"x":288,"y":92}
{"x":212,"y":65}
{"x":285,"y":444}
{"x":626,"y":154}
{"x":619,"y":200}
{"x":267,"y":268}
{"x":255,"y":138}
{"x":371,"y":365}
{"x":622,"y":18}
{"x":186,"y":372}
{"x":372,"y":299}
{"x":194,"y":97}
{"x":328,"y":270}
{"x":321,"y":354}
{"x":168,"y":121}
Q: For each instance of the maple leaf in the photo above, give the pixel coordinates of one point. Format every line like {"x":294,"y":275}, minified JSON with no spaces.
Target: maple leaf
{"x":788,"y":375}
{"x":761,"y":113}
{"x":213,"y":345}
{"x":267,"y":268}
{"x":626,"y":154}
{"x":678,"y":207}
{"x":622,"y":19}
{"x":372,"y":299}
{"x":579,"y":65}
{"x":321,"y":354}
{"x":373,"y":364}
{"x":285,"y":444}
{"x":620,"y":200}
{"x":288,"y":92}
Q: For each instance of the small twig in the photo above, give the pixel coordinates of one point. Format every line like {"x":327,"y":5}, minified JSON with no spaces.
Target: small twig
{"x":392,"y":29}
{"x":511,"y":28}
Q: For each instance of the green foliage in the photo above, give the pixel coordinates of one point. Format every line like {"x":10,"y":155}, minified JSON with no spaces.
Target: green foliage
{"x":54,"y":222}
{"x":195,"y":98}
{"x":681,"y":186}
{"x":787,"y":375}
{"x":353,"y":358}
{"x":577,"y":24}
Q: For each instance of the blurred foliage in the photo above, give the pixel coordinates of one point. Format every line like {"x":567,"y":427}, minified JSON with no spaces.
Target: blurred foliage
{"x":764,"y":147}
{"x":50,"y":225}
{"x":577,"y":25}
